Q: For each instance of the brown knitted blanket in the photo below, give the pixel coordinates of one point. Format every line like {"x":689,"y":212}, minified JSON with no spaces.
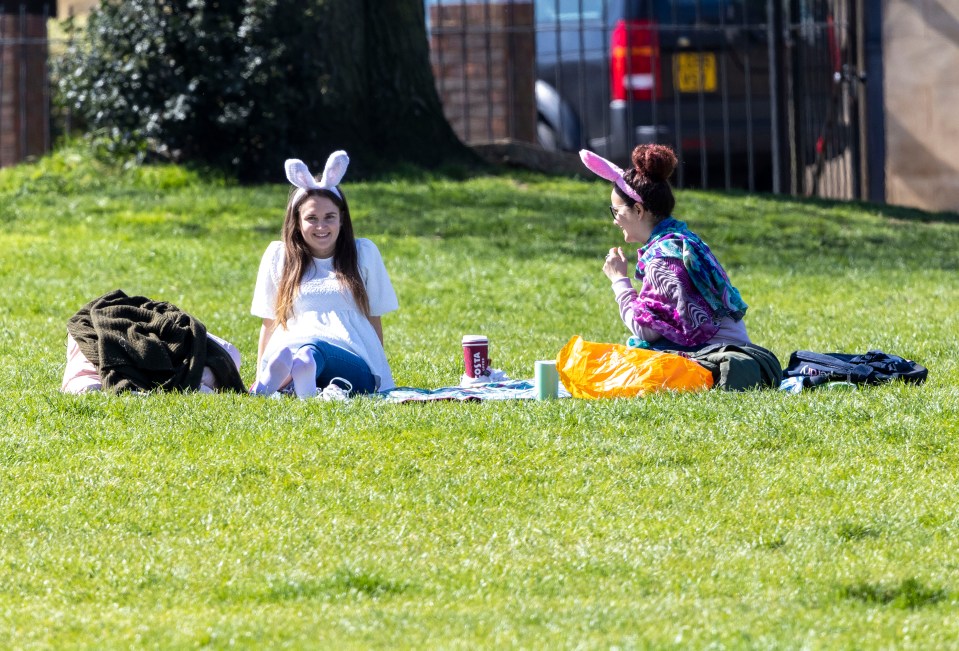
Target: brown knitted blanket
{"x":138,"y":344}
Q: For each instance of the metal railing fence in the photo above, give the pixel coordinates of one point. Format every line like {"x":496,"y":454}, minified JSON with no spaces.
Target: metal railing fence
{"x":752,"y":94}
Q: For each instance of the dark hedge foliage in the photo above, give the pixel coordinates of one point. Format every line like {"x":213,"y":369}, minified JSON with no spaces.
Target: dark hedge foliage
{"x":233,"y":84}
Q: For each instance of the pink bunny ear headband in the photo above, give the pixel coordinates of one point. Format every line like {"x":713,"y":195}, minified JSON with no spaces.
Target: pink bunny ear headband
{"x":299,"y":175}
{"x":609,"y":171}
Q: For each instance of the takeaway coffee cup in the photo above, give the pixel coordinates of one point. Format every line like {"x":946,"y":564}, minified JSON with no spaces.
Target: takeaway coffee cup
{"x":475,"y":355}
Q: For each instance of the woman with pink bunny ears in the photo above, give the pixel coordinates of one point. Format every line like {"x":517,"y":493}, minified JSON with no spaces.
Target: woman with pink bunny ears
{"x":321,"y":293}
{"x":685,"y":301}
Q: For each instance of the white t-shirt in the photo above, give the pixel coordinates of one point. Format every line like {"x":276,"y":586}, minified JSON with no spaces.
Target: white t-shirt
{"x":325,"y":310}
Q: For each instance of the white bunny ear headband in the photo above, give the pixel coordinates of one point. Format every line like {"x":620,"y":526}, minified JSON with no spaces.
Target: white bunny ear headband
{"x":609,"y":171}
{"x":299,"y":175}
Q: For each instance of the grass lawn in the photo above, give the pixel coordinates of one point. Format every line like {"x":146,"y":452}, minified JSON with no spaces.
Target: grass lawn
{"x":713,"y":520}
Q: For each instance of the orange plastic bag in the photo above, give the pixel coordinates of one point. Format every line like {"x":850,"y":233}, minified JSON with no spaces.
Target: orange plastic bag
{"x":599,"y":370}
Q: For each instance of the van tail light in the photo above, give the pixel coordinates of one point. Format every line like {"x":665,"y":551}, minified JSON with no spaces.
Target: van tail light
{"x":833,"y":45}
{"x":634,"y":63}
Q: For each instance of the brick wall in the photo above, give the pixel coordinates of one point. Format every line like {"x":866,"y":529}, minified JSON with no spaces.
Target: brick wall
{"x":24,"y":94}
{"x":483,"y":58}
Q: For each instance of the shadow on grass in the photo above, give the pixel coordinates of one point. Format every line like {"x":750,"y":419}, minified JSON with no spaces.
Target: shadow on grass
{"x":344,"y":582}
{"x":908,"y":594}
{"x":849,"y":531}
{"x":486,"y":211}
{"x":540,"y":219}
{"x":890,"y":211}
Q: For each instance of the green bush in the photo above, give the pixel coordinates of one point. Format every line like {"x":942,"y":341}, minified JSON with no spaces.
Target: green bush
{"x":234,"y":85}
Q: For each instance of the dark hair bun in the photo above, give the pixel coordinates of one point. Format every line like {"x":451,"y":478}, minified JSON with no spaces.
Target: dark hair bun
{"x":655,"y":162}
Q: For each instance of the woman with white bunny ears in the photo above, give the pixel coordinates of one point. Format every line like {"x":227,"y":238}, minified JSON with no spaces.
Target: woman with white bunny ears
{"x":321,"y":293}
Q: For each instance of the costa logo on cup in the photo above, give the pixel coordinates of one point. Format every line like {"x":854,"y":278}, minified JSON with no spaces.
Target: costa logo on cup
{"x":475,"y":355}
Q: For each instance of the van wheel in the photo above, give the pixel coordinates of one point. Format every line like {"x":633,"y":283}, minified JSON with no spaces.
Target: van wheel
{"x":546,"y":136}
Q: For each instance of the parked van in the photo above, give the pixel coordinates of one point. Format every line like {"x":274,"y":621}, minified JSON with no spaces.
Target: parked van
{"x":694,"y":74}
{"x":690,"y":73}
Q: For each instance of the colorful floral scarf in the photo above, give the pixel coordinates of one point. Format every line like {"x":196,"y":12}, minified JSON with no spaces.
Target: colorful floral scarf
{"x":672,"y":239}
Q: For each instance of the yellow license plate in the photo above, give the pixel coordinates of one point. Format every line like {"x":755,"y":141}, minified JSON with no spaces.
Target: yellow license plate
{"x":694,"y":72}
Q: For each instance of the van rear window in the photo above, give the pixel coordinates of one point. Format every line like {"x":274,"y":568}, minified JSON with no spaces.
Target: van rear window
{"x":572,"y":10}
{"x":691,"y":12}
{"x":667,"y":12}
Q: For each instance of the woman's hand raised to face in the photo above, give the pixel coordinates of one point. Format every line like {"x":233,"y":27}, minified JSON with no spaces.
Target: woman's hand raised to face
{"x":615,"y":266}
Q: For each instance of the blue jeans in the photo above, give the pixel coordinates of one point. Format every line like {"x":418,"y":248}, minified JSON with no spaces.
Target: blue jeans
{"x":337,"y":362}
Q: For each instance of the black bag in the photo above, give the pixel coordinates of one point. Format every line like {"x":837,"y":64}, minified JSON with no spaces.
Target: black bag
{"x":874,"y":367}
{"x":739,"y":367}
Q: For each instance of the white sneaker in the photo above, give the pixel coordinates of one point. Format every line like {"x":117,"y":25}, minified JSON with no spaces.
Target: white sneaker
{"x":335,"y":392}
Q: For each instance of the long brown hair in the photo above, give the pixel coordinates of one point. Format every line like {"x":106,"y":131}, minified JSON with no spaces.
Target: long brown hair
{"x":297,"y":257}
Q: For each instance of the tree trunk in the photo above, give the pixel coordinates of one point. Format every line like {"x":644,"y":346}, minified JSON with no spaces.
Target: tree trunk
{"x":407,"y":106}
{"x":242,"y":85}
{"x":383,"y":89}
